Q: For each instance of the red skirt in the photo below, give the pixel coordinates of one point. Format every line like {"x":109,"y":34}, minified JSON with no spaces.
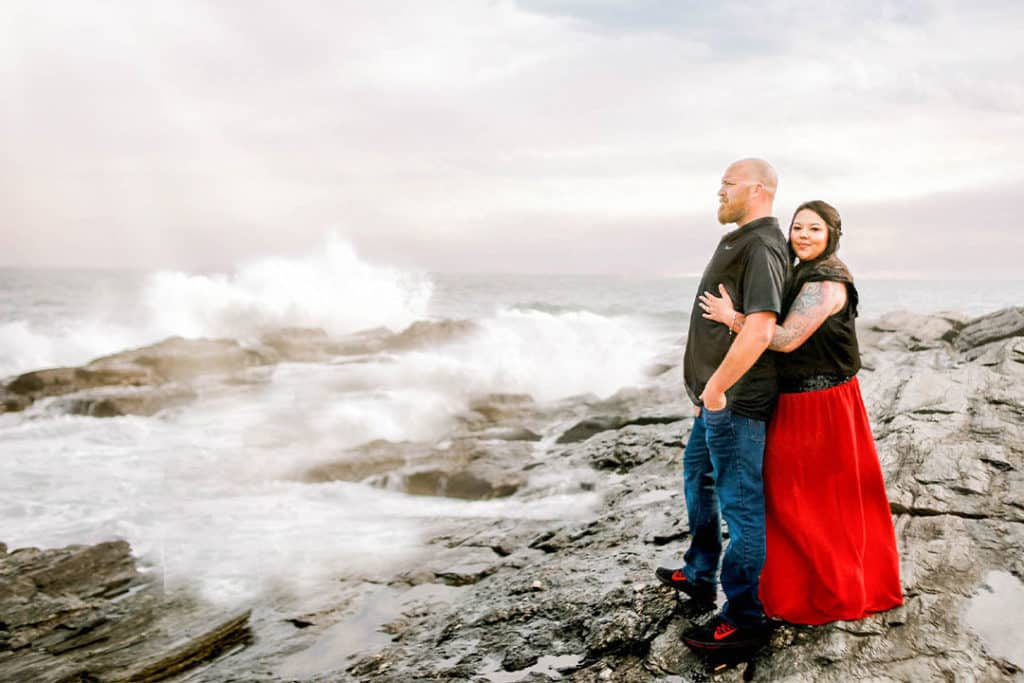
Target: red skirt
{"x":831,"y":548}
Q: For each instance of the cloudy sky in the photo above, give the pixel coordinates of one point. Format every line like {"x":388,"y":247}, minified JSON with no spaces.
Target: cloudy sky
{"x":505,"y":135}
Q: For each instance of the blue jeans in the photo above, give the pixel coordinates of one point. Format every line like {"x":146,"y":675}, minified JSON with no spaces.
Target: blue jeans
{"x":722,"y":478}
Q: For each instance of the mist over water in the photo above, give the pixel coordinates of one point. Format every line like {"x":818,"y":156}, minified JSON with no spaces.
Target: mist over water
{"x":209,"y":493}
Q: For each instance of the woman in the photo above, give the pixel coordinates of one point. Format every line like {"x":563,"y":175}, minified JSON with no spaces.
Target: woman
{"x":831,"y":548}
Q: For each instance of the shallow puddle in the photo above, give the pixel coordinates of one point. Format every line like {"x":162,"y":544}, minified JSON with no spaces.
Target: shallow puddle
{"x":996,"y":614}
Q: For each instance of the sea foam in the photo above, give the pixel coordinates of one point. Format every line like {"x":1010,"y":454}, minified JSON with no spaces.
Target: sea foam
{"x":332,"y":289}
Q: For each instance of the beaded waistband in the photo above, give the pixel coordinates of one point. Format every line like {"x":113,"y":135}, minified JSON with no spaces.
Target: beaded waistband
{"x":812,"y":383}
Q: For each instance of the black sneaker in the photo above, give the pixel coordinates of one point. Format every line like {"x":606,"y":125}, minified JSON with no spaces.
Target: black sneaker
{"x":720,"y":634}
{"x":703,"y":593}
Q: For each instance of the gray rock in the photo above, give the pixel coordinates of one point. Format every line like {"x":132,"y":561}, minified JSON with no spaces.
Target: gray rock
{"x":466,"y":468}
{"x":587,"y":428}
{"x":476,"y":483}
{"x":996,"y":326}
{"x":508,"y":434}
{"x":574,"y":598}
{"x":174,"y":361}
{"x":183,"y":360}
{"x":117,"y":401}
{"x":427,"y":333}
{"x":84,"y":613}
{"x":300,"y":344}
{"x":495,"y":407}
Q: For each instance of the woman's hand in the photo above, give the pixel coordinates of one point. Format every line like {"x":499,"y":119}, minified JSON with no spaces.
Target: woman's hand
{"x":716,"y":308}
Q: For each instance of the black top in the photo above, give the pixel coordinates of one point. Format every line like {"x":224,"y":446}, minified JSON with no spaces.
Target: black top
{"x":832,"y":350}
{"x":753,"y":263}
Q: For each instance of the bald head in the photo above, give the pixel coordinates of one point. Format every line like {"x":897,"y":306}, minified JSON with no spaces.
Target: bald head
{"x":758,"y":171}
{"x":747,"y":192}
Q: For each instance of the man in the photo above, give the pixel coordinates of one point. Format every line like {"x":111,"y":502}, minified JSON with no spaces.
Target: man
{"x":733,"y":386}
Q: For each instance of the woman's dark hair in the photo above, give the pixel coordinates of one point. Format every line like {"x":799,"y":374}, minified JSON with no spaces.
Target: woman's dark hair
{"x":832,"y":220}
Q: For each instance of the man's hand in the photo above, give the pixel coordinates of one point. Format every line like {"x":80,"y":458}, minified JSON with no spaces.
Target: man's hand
{"x":750,"y":343}
{"x":714,"y":399}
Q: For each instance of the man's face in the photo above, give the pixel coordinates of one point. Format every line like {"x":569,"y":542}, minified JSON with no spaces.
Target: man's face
{"x":734,"y":195}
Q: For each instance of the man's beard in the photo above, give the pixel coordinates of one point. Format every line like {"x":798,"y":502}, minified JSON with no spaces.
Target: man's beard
{"x":731,"y":212}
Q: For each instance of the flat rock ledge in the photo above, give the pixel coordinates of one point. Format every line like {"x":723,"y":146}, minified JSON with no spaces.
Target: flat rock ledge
{"x":84,"y":613}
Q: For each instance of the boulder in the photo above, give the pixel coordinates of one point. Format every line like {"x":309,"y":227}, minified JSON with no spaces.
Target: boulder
{"x":993,"y":327}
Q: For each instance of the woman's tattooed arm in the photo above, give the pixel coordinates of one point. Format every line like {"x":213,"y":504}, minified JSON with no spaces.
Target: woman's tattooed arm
{"x":815,"y":302}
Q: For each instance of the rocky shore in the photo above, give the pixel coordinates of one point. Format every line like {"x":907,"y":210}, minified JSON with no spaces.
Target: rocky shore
{"x":492,"y":599}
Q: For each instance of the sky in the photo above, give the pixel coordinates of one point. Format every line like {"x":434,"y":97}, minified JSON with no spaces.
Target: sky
{"x":523,"y":136}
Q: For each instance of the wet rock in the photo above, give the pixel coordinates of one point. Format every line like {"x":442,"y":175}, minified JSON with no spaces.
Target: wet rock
{"x":176,"y":361}
{"x":495,"y":407}
{"x":612,"y":632}
{"x":428,"y":333}
{"x":118,"y":401}
{"x":467,"y":468}
{"x":299,"y":344}
{"x":374,"y":458}
{"x":58,"y":381}
{"x":519,"y":655}
{"x":84,"y":613}
{"x":11,"y":402}
{"x":659,"y":369}
{"x":455,"y":567}
{"x":360,"y":343}
{"x":632,"y":446}
{"x":508,"y":434}
{"x":208,"y":645}
{"x":587,"y":428}
{"x":477,"y":483}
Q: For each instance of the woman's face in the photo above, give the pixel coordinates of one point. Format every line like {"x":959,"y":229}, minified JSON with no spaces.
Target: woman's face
{"x":808,"y":235}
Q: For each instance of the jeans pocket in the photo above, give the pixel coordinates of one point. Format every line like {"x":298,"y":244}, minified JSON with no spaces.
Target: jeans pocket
{"x":756,"y":430}
{"x":719,"y":424}
{"x":717,"y":416}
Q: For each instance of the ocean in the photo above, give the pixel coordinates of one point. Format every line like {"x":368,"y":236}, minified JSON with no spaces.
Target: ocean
{"x":208,"y":493}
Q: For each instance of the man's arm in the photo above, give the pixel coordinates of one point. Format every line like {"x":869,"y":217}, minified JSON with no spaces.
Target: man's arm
{"x":753,"y":339}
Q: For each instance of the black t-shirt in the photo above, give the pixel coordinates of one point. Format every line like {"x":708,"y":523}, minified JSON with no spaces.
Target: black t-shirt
{"x":753,"y":263}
